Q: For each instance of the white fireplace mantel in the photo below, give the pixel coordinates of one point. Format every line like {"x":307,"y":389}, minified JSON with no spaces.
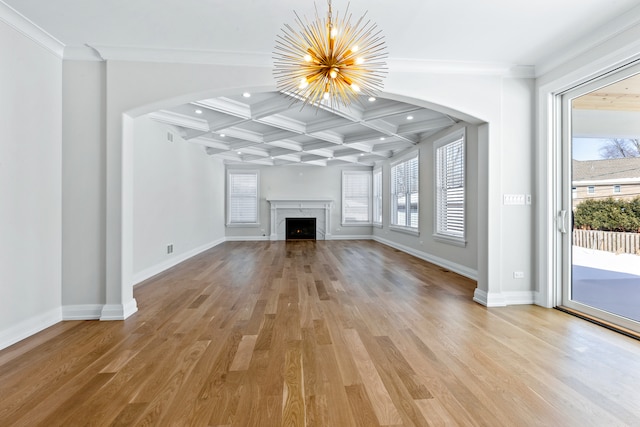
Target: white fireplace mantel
{"x":320,"y":209}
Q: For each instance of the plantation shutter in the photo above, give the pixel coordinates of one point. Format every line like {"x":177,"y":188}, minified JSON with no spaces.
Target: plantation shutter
{"x":412,"y":172}
{"x":243,"y":197}
{"x":356,"y":197}
{"x":377,"y":197}
{"x":450,"y":189}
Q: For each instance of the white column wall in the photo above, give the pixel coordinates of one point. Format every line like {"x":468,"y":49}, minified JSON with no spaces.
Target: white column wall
{"x":518,"y":162}
{"x":83,"y":195}
{"x":30,"y":186}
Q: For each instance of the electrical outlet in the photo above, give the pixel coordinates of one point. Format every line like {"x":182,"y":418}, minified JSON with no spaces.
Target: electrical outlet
{"x":518,"y":274}
{"x":170,"y":249}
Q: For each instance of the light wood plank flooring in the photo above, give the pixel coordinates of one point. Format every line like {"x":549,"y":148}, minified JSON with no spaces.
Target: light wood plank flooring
{"x":339,"y":333}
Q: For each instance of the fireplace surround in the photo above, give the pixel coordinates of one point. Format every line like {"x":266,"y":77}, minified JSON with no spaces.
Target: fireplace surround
{"x":319,"y":209}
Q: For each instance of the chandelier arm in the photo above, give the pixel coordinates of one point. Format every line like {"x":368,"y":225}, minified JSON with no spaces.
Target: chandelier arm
{"x":318,"y":62}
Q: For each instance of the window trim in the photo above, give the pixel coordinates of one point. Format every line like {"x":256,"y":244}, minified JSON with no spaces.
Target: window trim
{"x":368,"y":222}
{"x":404,"y":158}
{"x":457,"y":135}
{"x":374,"y":200}
{"x":228,"y":198}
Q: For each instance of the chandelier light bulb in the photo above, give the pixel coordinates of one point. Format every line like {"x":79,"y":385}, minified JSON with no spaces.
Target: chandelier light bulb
{"x":317,"y":60}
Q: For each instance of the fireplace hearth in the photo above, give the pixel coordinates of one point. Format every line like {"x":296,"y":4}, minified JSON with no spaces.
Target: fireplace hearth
{"x":300,"y":229}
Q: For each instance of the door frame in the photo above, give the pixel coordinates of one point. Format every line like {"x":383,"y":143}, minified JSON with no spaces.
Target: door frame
{"x":566,"y":73}
{"x":563,"y":194}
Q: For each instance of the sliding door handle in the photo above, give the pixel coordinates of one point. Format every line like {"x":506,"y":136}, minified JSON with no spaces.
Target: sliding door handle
{"x":562,"y":218}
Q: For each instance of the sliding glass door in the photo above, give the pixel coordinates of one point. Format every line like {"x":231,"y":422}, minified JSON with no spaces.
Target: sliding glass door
{"x":600,"y":215}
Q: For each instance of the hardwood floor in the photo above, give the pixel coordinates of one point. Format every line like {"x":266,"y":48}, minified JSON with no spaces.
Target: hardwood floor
{"x":338,"y":333}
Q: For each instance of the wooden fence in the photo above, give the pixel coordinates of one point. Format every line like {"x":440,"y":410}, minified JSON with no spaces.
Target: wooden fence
{"x":608,"y":241}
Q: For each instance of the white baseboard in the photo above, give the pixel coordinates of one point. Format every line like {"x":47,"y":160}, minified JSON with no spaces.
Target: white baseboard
{"x":520,"y":297}
{"x":350,"y":237}
{"x":28,"y":327}
{"x":118,"y":311}
{"x":247,"y":238}
{"x":82,"y":312}
{"x":143,"y":275}
{"x":503,"y":299}
{"x":449,"y":265}
{"x":489,"y":300}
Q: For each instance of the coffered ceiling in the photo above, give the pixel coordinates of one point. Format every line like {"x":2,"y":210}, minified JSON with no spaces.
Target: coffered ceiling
{"x":268,"y":129}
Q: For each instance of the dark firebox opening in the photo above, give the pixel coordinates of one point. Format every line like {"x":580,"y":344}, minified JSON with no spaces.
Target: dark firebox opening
{"x":300,"y":229}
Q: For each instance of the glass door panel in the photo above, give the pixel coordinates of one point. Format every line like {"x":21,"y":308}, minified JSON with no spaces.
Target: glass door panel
{"x":601,"y":199}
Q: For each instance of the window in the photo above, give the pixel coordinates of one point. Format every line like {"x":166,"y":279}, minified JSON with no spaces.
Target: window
{"x":242,"y":197}
{"x":616,"y":188}
{"x":574,"y":192}
{"x":377,"y":197}
{"x":356,"y":197}
{"x":591,"y":189}
{"x":450,"y":188}
{"x":404,"y":194}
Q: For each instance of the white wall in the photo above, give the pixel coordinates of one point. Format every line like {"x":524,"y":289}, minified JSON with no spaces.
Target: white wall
{"x":83,"y":189}
{"x":30,"y":186}
{"x":517,"y":242}
{"x":178,"y":193}
{"x":301,"y":182}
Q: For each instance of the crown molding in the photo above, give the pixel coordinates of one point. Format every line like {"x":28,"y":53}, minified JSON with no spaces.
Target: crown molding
{"x":616,"y":27}
{"x":186,"y":56}
{"x":81,"y":53}
{"x":20,"y":23}
{"x":461,"y":67}
{"x":258,"y":59}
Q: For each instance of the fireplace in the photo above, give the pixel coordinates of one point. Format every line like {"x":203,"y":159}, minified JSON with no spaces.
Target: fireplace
{"x":316,"y":209}
{"x":300,"y":229}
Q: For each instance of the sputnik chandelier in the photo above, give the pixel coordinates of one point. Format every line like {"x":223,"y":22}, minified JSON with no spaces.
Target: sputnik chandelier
{"x":329,"y":61}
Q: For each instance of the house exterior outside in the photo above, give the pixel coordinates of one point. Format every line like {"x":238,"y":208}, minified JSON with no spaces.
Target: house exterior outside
{"x":601,"y":179}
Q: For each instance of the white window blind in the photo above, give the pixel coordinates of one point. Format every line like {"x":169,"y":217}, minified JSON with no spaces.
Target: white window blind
{"x":356,"y":197}
{"x":450,"y":189}
{"x":404,"y":193}
{"x":243,"y":197}
{"x":377,"y":197}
